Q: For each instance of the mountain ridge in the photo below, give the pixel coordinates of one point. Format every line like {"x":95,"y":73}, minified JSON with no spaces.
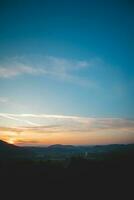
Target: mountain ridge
{"x":59,"y":151}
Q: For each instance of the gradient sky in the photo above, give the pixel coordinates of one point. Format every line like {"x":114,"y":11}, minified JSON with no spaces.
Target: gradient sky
{"x":66,"y":71}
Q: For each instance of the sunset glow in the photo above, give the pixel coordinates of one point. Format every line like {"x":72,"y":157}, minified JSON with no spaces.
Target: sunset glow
{"x":59,"y":129}
{"x":66,"y":72}
{"x":10,"y":141}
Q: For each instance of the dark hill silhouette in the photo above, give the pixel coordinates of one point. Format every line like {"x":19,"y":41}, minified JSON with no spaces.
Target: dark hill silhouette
{"x":60,"y":146}
{"x":59,"y":151}
{"x":10,"y":151}
{"x":4,"y":146}
{"x":78,"y":176}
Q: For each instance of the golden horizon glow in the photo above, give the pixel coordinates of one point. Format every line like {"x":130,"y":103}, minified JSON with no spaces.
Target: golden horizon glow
{"x":10,"y":141}
{"x":68,"y":138}
{"x":54,"y":129}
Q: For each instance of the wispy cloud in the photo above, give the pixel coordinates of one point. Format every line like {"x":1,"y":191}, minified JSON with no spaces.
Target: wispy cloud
{"x":44,"y":128}
{"x":101,"y":123}
{"x":3,"y":100}
{"x":15,"y":70}
{"x":50,"y":66}
{"x":13,"y":117}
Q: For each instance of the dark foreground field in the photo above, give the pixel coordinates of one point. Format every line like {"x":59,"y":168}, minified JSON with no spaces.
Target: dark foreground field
{"x":111,"y":176}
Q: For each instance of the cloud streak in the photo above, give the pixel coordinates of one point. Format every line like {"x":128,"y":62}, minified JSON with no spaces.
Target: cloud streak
{"x":3,"y":100}
{"x":90,"y":121}
{"x":53,"y":128}
{"x":13,"y":117}
{"x":49,"y":66}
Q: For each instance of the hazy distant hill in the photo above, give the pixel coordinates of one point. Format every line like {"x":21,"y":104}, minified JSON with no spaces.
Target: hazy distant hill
{"x":58,"y":151}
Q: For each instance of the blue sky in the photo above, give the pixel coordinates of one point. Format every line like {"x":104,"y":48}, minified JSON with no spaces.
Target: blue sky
{"x":70,"y":58}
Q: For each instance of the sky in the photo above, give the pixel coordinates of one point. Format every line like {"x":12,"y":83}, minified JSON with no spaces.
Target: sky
{"x":66,"y":72}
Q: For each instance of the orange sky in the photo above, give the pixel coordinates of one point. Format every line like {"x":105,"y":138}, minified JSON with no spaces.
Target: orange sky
{"x":52,"y":129}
